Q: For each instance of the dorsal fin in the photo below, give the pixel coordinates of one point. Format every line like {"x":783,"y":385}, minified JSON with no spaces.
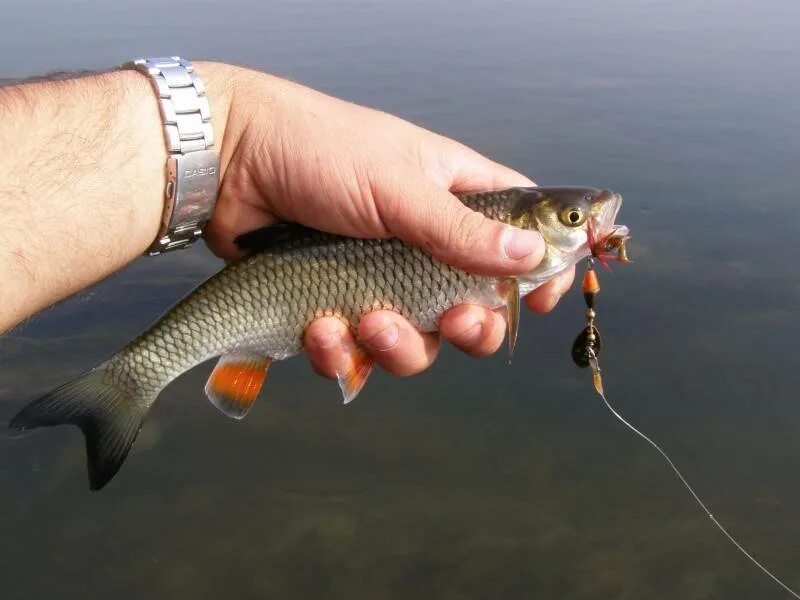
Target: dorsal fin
{"x":265,"y":238}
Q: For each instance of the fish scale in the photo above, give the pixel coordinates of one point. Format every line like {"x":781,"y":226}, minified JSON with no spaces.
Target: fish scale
{"x":256,"y":310}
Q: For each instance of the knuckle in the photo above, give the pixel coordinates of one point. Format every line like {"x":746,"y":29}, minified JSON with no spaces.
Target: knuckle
{"x":440,"y":158}
{"x":465,"y":230}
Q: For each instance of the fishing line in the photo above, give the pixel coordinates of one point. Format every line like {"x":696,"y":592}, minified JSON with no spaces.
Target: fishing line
{"x":585,"y":350}
{"x":700,"y":503}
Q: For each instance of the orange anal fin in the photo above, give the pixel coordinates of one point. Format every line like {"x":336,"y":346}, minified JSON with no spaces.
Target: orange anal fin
{"x":235,"y":382}
{"x":353,"y":374}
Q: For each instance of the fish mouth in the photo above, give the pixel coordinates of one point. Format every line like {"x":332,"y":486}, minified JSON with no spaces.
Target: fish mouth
{"x":607,"y":239}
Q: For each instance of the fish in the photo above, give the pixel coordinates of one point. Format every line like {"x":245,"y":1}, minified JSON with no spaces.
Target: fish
{"x":255,"y":310}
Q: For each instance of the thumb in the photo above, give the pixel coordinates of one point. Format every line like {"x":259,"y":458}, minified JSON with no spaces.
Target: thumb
{"x":435,"y":220}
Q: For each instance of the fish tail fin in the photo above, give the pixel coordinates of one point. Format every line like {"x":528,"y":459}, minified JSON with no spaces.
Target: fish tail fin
{"x":109,"y":417}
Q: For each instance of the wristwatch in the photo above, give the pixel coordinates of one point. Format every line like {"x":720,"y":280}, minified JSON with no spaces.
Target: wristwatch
{"x":192,"y":164}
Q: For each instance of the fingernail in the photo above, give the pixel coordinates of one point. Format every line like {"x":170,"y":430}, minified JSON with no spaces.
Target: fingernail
{"x":472,"y":335}
{"x":519,"y":243}
{"x":385,"y":339}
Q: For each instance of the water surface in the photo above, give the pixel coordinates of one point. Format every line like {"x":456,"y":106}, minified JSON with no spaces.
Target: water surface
{"x":476,"y":479}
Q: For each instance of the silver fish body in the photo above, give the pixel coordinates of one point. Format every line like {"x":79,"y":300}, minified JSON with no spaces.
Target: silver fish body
{"x":257,"y":309}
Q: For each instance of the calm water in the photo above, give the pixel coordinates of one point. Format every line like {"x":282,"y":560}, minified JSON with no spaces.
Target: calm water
{"x":476,"y":479}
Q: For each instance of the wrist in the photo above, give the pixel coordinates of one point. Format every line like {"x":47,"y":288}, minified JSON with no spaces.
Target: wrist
{"x":138,"y":126}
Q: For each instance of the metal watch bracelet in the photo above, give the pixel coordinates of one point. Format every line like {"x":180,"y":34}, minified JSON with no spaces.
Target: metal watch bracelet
{"x":192,"y":166}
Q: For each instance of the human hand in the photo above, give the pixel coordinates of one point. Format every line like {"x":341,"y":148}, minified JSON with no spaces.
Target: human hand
{"x":290,"y":153}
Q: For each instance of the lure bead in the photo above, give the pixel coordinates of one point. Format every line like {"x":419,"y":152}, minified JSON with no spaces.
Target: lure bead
{"x":591,"y":285}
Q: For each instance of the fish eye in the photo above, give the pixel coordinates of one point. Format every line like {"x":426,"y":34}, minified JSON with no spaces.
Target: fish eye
{"x":573,"y":216}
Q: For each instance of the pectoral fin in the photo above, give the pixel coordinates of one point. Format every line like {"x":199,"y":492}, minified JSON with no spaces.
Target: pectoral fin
{"x":509,"y":290}
{"x":353,"y":375}
{"x":236,"y":380}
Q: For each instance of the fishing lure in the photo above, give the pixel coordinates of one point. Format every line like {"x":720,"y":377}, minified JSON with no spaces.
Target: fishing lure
{"x":585,"y":350}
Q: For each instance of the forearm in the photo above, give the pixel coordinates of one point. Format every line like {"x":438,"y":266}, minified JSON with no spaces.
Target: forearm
{"x":81,"y":182}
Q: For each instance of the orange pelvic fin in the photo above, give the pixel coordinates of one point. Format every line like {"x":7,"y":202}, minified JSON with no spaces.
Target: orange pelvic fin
{"x":236,"y":380}
{"x":353,"y":375}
